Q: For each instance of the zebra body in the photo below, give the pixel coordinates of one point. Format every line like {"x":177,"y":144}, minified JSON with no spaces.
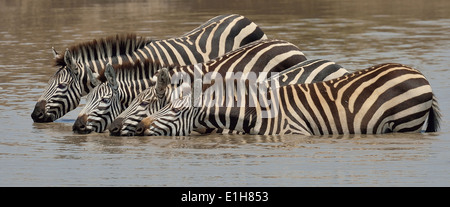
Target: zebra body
{"x":260,"y":56}
{"x":304,"y":72}
{"x":80,"y":62}
{"x":384,"y":98}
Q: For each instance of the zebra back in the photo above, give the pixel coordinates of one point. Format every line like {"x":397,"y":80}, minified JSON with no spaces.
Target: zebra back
{"x":217,"y":36}
{"x":308,"y":71}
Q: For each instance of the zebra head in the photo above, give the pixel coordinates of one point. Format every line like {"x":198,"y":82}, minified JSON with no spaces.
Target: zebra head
{"x":63,"y":91}
{"x":148,"y":102}
{"x":102,"y":105}
{"x":174,"y":119}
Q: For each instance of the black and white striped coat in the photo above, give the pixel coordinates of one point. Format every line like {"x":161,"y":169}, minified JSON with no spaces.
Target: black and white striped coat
{"x":82,"y":61}
{"x":381,"y":99}
{"x":263,"y":56}
{"x":308,"y":71}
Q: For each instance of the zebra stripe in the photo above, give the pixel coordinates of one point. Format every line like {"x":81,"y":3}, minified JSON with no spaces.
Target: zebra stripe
{"x":306,"y":71}
{"x":250,"y":57}
{"x":381,"y":99}
{"x":198,"y":45}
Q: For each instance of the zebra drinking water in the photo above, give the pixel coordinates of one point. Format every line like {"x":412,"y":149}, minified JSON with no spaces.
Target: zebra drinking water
{"x":308,"y":71}
{"x":381,"y":99}
{"x":72,"y":80}
{"x":260,"y":56}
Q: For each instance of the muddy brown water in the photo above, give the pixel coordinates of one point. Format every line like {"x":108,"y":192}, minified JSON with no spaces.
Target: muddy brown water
{"x":355,"y":34}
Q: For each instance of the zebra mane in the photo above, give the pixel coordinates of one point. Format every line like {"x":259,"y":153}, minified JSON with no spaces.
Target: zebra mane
{"x":105,"y":47}
{"x":146,"y":64}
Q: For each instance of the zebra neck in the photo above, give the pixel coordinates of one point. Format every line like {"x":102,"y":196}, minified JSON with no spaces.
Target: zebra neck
{"x":128,"y":91}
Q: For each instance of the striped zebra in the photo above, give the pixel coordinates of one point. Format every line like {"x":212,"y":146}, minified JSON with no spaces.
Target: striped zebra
{"x":308,"y":71}
{"x":381,"y":99}
{"x":148,"y":101}
{"x":105,"y":95}
{"x":263,"y":56}
{"x":72,"y":80}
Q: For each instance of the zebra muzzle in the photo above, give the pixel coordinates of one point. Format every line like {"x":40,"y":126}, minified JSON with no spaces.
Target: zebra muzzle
{"x":39,"y":113}
{"x":115,"y":127}
{"x":80,"y":125}
{"x":143,"y":126}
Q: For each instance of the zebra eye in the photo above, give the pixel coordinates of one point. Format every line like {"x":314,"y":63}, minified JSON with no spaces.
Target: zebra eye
{"x":62,"y":85}
{"x":106,"y":100}
{"x":144,"y":103}
{"x":176,"y":110}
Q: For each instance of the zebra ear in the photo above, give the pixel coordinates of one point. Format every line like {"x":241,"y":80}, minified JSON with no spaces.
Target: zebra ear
{"x":55,"y":54}
{"x":110,"y":75}
{"x":92,"y":78}
{"x":163,"y":80}
{"x":70,"y":62}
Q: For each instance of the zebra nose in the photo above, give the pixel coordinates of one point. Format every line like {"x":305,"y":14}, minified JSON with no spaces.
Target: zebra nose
{"x":114,"y":128}
{"x":80,"y":125}
{"x":140,"y":130}
{"x":39,"y":112}
{"x":143,"y":125}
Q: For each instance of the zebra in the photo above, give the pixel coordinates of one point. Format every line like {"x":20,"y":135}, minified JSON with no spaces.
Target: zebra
{"x":259,"y":56}
{"x":148,"y":101}
{"x":101,"y":98}
{"x":72,"y":80}
{"x":308,"y":71}
{"x":384,"y":98}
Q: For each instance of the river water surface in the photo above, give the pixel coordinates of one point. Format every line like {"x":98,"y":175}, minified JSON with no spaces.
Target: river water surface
{"x":355,"y":34}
